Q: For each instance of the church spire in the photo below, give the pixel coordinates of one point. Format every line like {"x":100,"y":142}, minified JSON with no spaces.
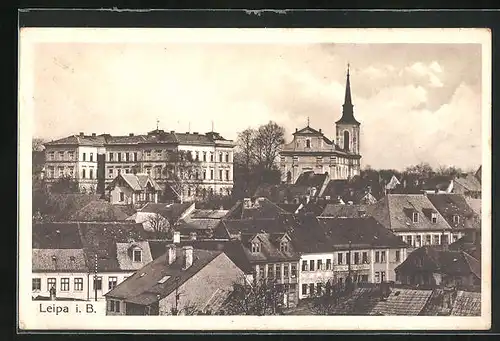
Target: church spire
{"x":347,"y":107}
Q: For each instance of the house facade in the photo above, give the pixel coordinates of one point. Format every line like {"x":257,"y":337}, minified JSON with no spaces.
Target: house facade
{"x":311,"y":151}
{"x":95,"y":160}
{"x":133,"y":189}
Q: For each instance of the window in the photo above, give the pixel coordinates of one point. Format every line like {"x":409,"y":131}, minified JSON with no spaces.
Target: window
{"x":114,"y":306}
{"x":377,"y":257}
{"x":137,"y":255}
{"x":110,"y":157}
{"x":83,"y":173}
{"x":61,"y":171}
{"x":148,"y":154}
{"x":270,"y":272}
{"x":78,"y":284}
{"x":205,"y":156}
{"x":220,"y":174}
{"x":261,"y":271}
{"x":148,"y":170}
{"x":328,"y":264}
{"x":415,"y":217}
{"x":51,"y":282}
{"x":398,"y":255}
{"x":365,"y":258}
{"x":435,"y":239}
{"x":382,"y":256}
{"x":227,"y":174}
{"x":220,"y":156}
{"x":91,"y":157}
{"x":294,"y":270}
{"x":98,"y":283}
{"x":135,"y":156}
{"x":346,"y":140}
{"x":71,"y":171}
{"x":456,"y":219}
{"x":36,"y":284}
{"x":51,"y":156}
{"x":65,"y":284}
{"x":110,"y":172}
{"x":211,"y":157}
{"x":211,"y":174}
{"x":84,"y":156}
{"x":304,"y":265}
{"x":319,"y":288}
{"x":428,"y":239}
{"x":434,"y":217}
{"x":356,"y":257}
{"x":285,"y":270}
{"x":382,"y":276}
{"x":227,"y":157}
{"x":112,"y":282}
{"x":319,"y":265}
{"x":339,"y":258}
{"x":277,"y":271}
{"x":284,"y":246}
{"x":311,"y":289}
{"x":158,"y":154}
{"x":311,"y":265}
{"x":71,"y":155}
{"x":409,"y":240}
{"x":255,"y":247}
{"x":295,"y":159}
{"x":377,"y":277}
{"x":418,"y":241}
{"x":308,"y":143}
{"x":50,"y":172}
{"x":204,"y":174}
{"x":304,"y":289}
{"x":91,"y":173}
{"x":197,"y":156}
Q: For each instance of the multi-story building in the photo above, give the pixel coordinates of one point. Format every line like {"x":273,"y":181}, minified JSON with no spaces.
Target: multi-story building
{"x":95,"y":160}
{"x":310,"y":150}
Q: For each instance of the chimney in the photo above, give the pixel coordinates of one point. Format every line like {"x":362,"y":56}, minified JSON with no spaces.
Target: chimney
{"x":131,"y":134}
{"x":81,"y":134}
{"x":177,"y":237}
{"x":171,"y":253}
{"x":172,"y":131}
{"x":93,"y":134}
{"x":192,"y":236}
{"x":320,"y":130}
{"x":187,"y":253}
{"x":195,"y":133}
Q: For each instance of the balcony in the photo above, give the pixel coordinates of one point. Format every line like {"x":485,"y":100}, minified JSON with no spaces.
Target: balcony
{"x":354,"y":267}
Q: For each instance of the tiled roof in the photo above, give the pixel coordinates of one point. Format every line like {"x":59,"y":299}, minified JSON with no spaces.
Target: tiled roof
{"x":124,"y":255}
{"x":199,"y":224}
{"x":58,"y":260}
{"x":474,"y":204}
{"x":362,"y":232}
{"x":360,"y":302}
{"x":450,"y":205}
{"x":127,"y":139}
{"x":310,"y":179}
{"x":138,"y":181}
{"x":467,"y":304}
{"x":439,"y":182}
{"x":101,"y":239}
{"x":86,"y":140}
{"x":345,"y":211}
{"x":195,"y":139}
{"x":144,"y":288}
{"x":402,"y":302}
{"x":207,"y":214}
{"x":233,"y":249}
{"x":309,"y":236}
{"x":68,"y":204}
{"x":336,"y":188}
{"x":261,"y":208}
{"x":469,"y":182}
{"x":438,"y":258}
{"x":467,"y":245}
{"x":395,"y":211}
{"x":100,"y":210}
{"x":56,"y":236}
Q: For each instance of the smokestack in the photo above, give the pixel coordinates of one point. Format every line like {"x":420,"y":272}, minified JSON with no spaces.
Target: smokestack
{"x":177,"y":237}
{"x":187,"y":252}
{"x":171,"y":253}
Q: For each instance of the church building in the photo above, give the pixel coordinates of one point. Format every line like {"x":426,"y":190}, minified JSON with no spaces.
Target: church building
{"x":311,"y":151}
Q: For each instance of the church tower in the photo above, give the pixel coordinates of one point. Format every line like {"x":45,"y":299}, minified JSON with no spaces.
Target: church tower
{"x":347,"y":127}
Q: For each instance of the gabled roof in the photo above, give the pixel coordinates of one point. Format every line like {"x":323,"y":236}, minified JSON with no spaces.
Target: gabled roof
{"x":439,"y":259}
{"x":308,"y":131}
{"x":438,"y":182}
{"x":469,"y":182}
{"x":207,"y":214}
{"x":450,"y":205}
{"x":137,"y":182}
{"x":361,"y":232}
{"x":474,"y":204}
{"x":58,"y":260}
{"x":478,"y":173}
{"x":101,"y":210}
{"x":310,"y":179}
{"x":78,"y":140}
{"x":395,"y":211}
{"x":466,"y":244}
{"x":144,"y":288}
{"x":402,"y":302}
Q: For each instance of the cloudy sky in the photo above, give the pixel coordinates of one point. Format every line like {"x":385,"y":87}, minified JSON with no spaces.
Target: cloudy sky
{"x":415,"y":102}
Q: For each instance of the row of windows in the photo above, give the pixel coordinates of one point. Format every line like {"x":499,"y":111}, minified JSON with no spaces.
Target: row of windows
{"x":428,"y":239}
{"x":36,"y":283}
{"x":345,"y":258}
{"x":274,"y":271}
{"x":320,"y":159}
{"x":284,"y":246}
{"x":61,"y":156}
{"x":416,"y":218}
{"x":311,"y":289}
{"x":61,"y":171}
{"x":114,"y":306}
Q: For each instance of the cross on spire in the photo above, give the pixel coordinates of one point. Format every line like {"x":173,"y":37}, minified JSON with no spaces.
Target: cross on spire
{"x":308,"y":121}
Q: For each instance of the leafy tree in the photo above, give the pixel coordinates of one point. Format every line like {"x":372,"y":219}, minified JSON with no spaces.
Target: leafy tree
{"x":37,"y":144}
{"x":65,"y":185}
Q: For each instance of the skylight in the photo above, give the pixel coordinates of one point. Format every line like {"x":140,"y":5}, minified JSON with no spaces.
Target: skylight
{"x":163,"y":279}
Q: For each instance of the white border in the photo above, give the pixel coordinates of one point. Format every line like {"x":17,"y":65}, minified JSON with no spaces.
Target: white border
{"x":27,"y":309}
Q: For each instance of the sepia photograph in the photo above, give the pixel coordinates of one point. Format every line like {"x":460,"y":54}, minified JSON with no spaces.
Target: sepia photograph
{"x":278,"y":179}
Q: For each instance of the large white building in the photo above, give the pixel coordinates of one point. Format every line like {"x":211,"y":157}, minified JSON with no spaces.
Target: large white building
{"x":95,"y":160}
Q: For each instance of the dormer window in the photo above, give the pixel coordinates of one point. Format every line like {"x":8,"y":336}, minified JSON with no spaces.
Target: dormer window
{"x":284,"y":246}
{"x":415,"y":217}
{"x":456,"y":219}
{"x":255,"y":247}
{"x":137,"y":255}
{"x":434,"y":217}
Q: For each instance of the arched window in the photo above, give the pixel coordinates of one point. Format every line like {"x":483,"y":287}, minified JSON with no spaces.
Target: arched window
{"x":346,"y":140}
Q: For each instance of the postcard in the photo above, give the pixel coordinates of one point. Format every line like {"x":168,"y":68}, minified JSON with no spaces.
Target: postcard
{"x":254,"y":179}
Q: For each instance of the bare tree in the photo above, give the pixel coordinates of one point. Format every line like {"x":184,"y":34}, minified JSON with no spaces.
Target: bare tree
{"x":262,"y":297}
{"x":182,"y":172}
{"x":158,"y":224}
{"x":245,"y":148}
{"x":269,"y":140}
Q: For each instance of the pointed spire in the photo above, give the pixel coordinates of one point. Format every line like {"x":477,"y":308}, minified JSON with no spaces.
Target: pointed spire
{"x":308,"y":121}
{"x":348,"y":107}
{"x":157,"y":123}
